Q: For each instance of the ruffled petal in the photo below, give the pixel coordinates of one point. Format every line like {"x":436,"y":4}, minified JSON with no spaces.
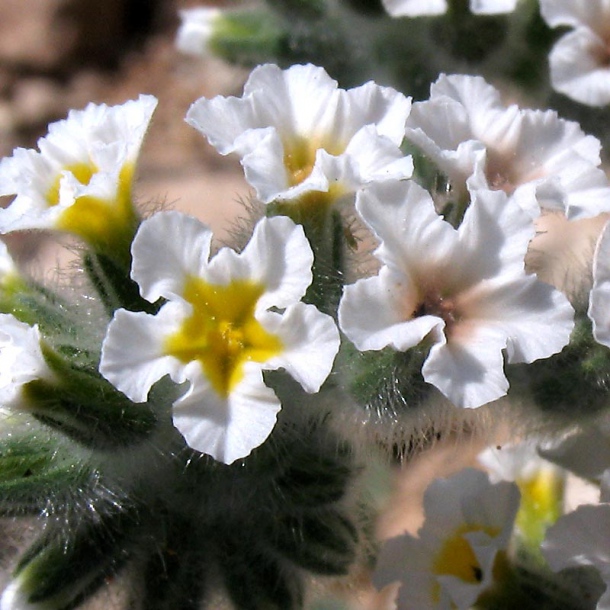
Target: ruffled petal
{"x":168,"y":248}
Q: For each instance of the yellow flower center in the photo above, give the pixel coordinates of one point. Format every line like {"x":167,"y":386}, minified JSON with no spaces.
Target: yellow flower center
{"x":300,"y":156}
{"x":456,"y":558}
{"x":103,"y":223}
{"x":222,"y":333}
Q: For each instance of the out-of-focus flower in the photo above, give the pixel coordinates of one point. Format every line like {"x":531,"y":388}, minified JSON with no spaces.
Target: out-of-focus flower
{"x":417,"y":8}
{"x":580,"y":538}
{"x":537,"y":158}
{"x":464,"y":291}
{"x":580,"y":60}
{"x":298,"y":134}
{"x":540,"y":482}
{"x":455,"y":557}
{"x":585,"y":452}
{"x":81,"y":178}
{"x":196,"y":28}
{"x":226,"y":320}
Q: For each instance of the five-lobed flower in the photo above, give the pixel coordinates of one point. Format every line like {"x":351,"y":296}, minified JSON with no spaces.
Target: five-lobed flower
{"x":226,"y":320}
{"x":462,"y":292}
{"x":80,"y":180}
{"x":298,"y":134}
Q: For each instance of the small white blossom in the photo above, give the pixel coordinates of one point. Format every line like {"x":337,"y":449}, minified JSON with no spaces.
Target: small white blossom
{"x":226,"y":320}
{"x":297,"y":133}
{"x":21,"y":359}
{"x":80,"y":179}
{"x":468,"y":523}
{"x":196,"y":28}
{"x":464,"y":291}
{"x":580,"y":538}
{"x":417,"y":8}
{"x":580,"y":60}
{"x":537,"y":158}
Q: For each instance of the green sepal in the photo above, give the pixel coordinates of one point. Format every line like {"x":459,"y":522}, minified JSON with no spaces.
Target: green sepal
{"x":248,"y":37}
{"x":254,"y":579}
{"x":70,"y":561}
{"x":174,"y":575}
{"x":323,"y":542}
{"x":571,"y":385}
{"x":34,"y":469}
{"x":299,"y":9}
{"x":114,"y":285}
{"x":86,"y":407}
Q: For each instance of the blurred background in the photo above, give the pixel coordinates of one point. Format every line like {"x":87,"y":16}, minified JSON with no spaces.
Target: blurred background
{"x":61,"y":54}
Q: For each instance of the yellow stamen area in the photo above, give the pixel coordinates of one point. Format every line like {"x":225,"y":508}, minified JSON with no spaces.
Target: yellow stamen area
{"x":100,"y":222}
{"x":541,"y":504}
{"x":456,"y":558}
{"x":222,"y":333}
{"x":300,"y":156}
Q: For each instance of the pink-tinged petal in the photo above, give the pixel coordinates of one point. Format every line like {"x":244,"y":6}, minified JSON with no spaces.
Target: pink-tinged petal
{"x":493,"y":239}
{"x":134,"y":365}
{"x":535,"y":318}
{"x":227,"y":428}
{"x":576,"y":70}
{"x":377,"y":312}
{"x":310,"y":340}
{"x":414,"y":8}
{"x":413,"y":237}
{"x":167,"y":249}
{"x":469,"y":372}
{"x":278,"y":256}
{"x":599,"y":302}
{"x":574,"y":12}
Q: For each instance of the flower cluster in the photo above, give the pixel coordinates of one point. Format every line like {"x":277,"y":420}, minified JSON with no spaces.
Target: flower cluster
{"x":187,"y":411}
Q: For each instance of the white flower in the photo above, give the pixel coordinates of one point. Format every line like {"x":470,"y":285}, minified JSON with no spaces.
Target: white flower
{"x":599,"y":299}
{"x":220,"y":328}
{"x":520,"y":462}
{"x":581,"y":538}
{"x":417,"y":8}
{"x":197,"y":25}
{"x":21,"y":359}
{"x":532,"y":155}
{"x":463,"y":291}
{"x":297,"y":133}
{"x":580,"y":60}
{"x":80,"y":179}
{"x":468,"y":524}
{"x":8,"y":269}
